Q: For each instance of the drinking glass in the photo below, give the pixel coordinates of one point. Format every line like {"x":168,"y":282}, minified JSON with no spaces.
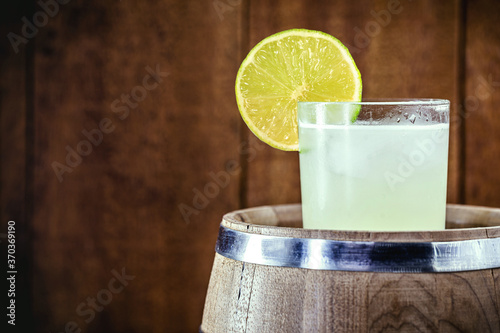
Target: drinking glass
{"x":375,"y":165}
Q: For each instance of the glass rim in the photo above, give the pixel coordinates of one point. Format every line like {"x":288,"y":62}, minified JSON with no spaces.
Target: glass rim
{"x":387,"y":101}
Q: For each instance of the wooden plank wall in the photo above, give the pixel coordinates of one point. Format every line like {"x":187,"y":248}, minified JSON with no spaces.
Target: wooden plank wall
{"x":123,"y":239}
{"x":481,"y":103}
{"x":16,"y":160}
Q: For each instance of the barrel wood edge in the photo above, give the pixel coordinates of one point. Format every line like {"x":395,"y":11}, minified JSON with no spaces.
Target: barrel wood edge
{"x":469,"y":216}
{"x":285,"y":221}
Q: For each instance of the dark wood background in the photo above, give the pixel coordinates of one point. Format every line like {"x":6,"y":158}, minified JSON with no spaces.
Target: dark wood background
{"x":148,"y":198}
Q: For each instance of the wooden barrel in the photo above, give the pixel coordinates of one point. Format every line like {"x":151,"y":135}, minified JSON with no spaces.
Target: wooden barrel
{"x":270,"y":275}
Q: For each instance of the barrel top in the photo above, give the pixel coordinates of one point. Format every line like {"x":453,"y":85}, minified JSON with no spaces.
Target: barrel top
{"x":272,"y":235}
{"x":463,"y":222}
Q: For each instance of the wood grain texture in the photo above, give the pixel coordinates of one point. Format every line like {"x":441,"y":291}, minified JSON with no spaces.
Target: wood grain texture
{"x":149,"y":197}
{"x":16,"y":143}
{"x":284,"y":299}
{"x":170,"y":136}
{"x":463,"y":222}
{"x":296,"y":300}
{"x":481,"y":104}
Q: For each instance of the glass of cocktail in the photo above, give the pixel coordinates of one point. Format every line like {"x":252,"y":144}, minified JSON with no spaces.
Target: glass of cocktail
{"x":377,"y":165}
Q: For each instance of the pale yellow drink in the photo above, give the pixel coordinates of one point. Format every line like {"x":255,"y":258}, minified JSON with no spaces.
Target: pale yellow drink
{"x":378,"y":177}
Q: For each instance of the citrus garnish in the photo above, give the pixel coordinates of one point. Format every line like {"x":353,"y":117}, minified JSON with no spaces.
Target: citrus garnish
{"x":288,"y":67}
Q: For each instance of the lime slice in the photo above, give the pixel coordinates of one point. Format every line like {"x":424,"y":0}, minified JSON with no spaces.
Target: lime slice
{"x":287,"y":67}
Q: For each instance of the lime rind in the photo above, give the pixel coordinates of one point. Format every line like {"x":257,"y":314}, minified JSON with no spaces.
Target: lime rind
{"x":276,"y":92}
